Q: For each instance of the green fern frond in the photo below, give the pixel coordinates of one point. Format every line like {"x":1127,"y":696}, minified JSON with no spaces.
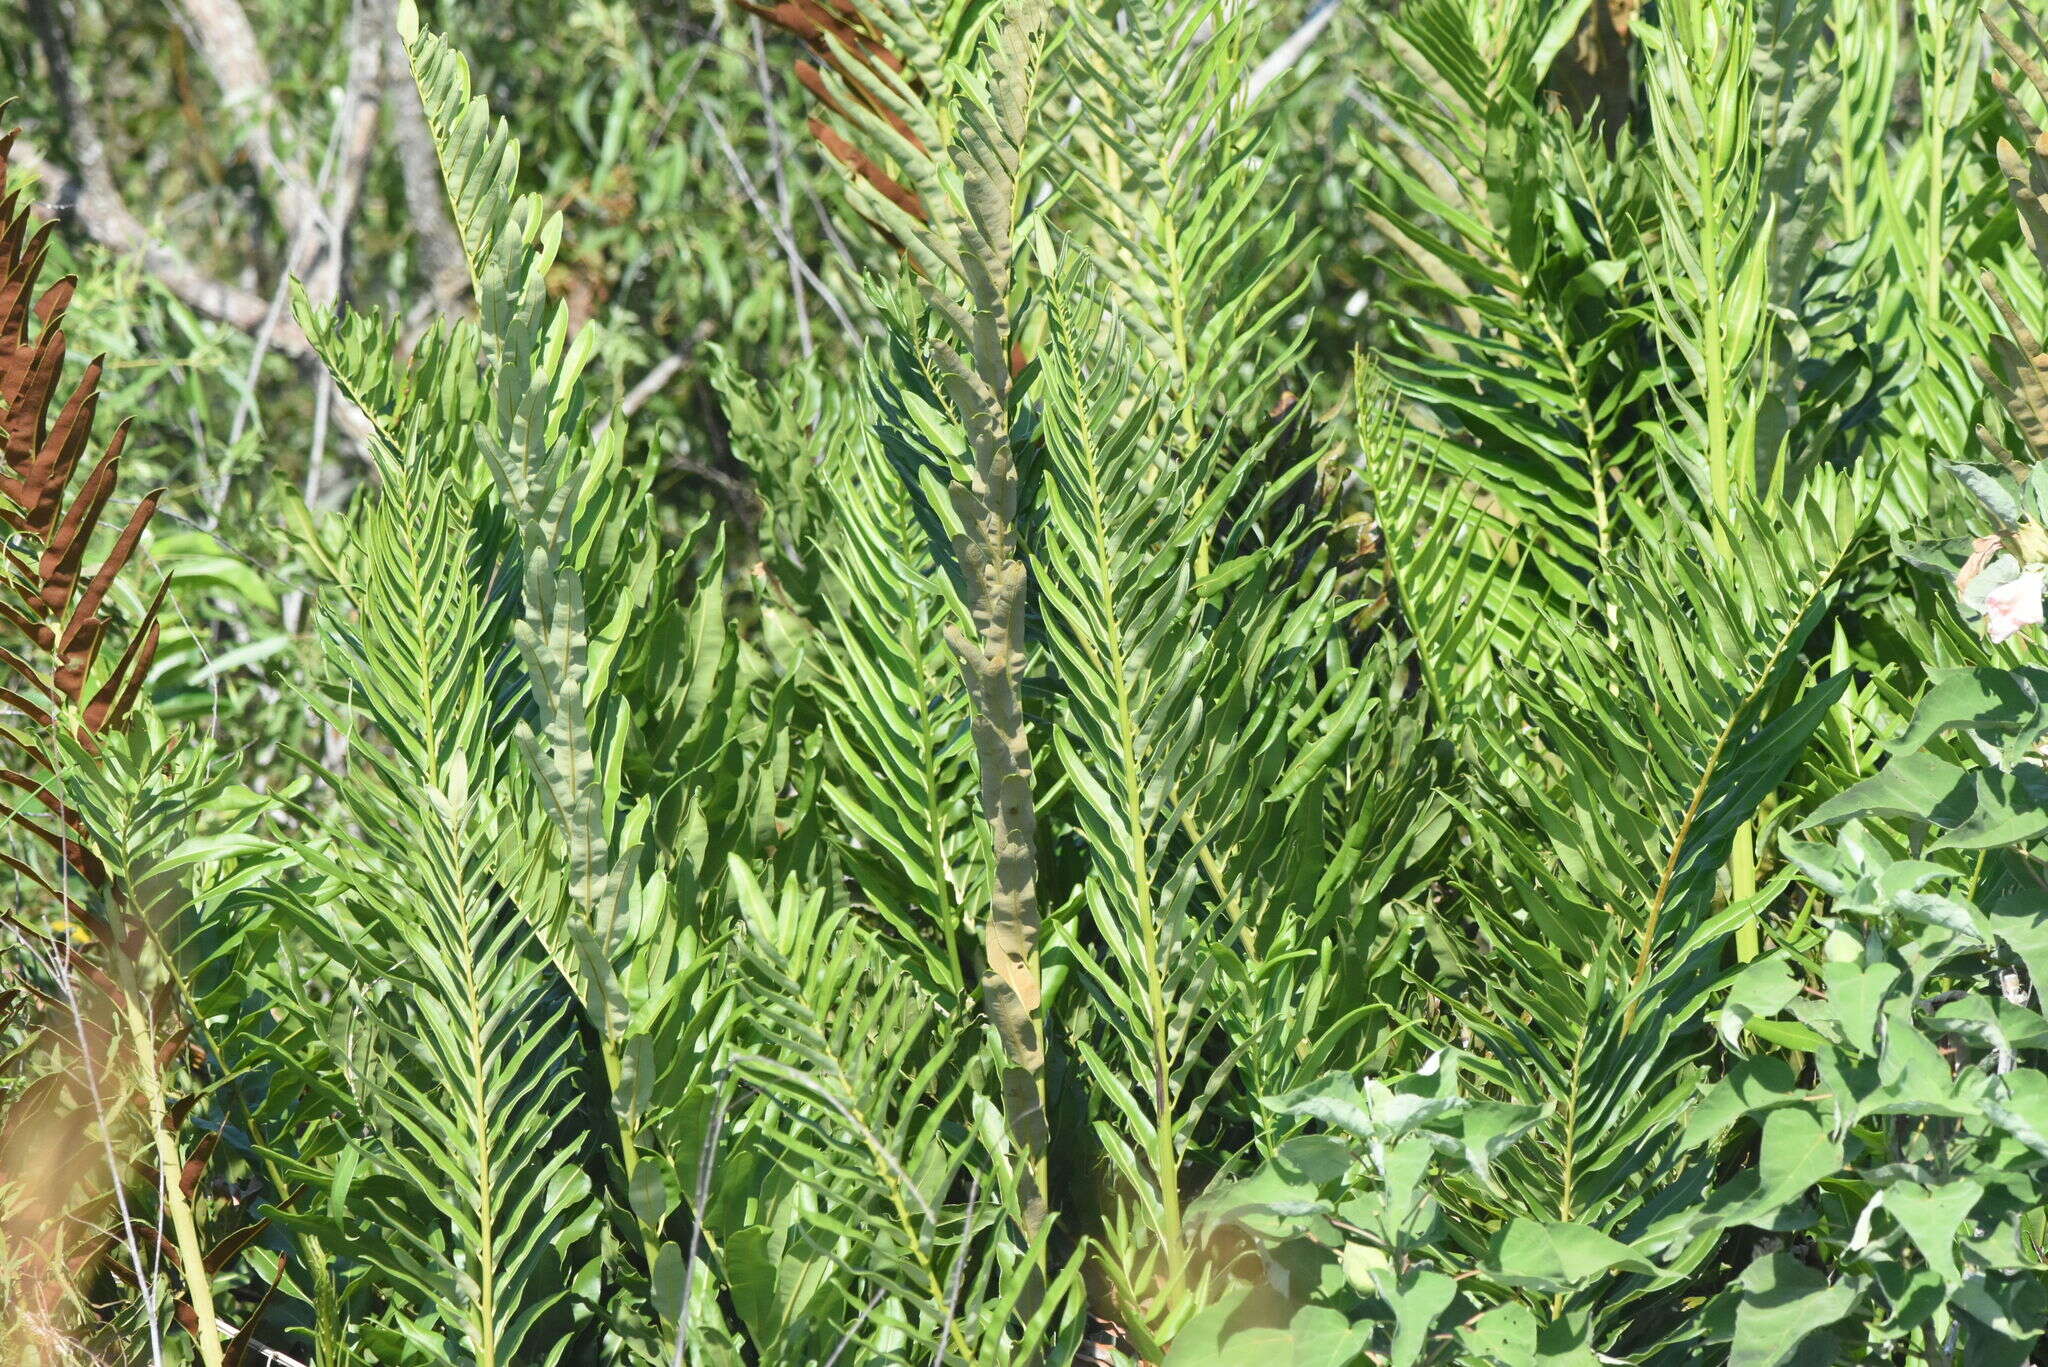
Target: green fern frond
{"x":877,"y":1129}
{"x":1163,"y":168}
{"x":1605,"y":842}
{"x":899,"y":722}
{"x":1505,"y":482}
{"x":479,"y":1054}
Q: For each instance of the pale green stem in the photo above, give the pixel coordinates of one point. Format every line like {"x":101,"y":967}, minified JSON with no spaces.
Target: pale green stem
{"x":170,"y":1168}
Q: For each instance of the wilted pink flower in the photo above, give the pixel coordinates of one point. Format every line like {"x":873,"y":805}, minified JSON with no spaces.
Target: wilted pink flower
{"x":1982,"y":550}
{"x":2011,"y":608}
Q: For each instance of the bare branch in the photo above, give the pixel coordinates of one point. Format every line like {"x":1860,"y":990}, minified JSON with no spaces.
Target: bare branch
{"x":221,"y":33}
{"x":796,"y":279}
{"x":92,"y":201}
{"x":651,"y":384}
{"x":798,"y":266}
{"x":1291,"y":50}
{"x":368,"y":51}
{"x":105,"y":218}
{"x":342,"y":172}
{"x":657,"y":378}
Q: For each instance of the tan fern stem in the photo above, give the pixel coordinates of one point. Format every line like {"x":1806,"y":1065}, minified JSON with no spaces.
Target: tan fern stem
{"x":990,"y":557}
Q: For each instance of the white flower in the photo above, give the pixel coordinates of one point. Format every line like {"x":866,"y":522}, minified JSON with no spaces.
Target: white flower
{"x":2013,"y":607}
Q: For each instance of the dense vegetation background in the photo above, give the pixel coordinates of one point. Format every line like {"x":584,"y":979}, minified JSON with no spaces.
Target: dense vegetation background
{"x":975,"y":681}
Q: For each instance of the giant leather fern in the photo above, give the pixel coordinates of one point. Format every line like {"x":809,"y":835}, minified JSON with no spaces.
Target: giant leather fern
{"x":109,"y":1033}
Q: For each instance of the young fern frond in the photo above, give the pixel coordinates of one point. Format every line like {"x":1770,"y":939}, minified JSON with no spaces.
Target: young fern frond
{"x":1184,"y":651}
{"x":605,"y":735}
{"x":1206,"y":725}
{"x":959,"y":134}
{"x":899,"y":720}
{"x":851,"y":575}
{"x":1747,"y":297}
{"x":636,"y":727}
{"x":1113,"y":577}
{"x":1163,"y":166}
{"x":477,"y":1050}
{"x":1445,"y":547}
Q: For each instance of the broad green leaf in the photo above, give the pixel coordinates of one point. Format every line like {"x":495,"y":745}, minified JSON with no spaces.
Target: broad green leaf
{"x":2012,"y":1307}
{"x":1418,"y":1301}
{"x":1213,"y":1336}
{"x":1931,"y":1216}
{"x":1763,"y":989}
{"x":1270,"y":1202}
{"x":1787,"y":1035}
{"x":1998,"y":808}
{"x":1321,"y":1337}
{"x":1555,"y":1256}
{"x":2018,"y":1104}
{"x":1751,"y":1086}
{"x":1249,"y":1327}
{"x":1913,"y":785}
{"x":1855,"y":1000}
{"x":1370,"y":1111}
{"x":2020,"y":919}
{"x":2006,"y":705}
{"x":1488,"y":1129}
{"x":1795,"y":1152}
{"x":1504,"y":1336}
{"x":1783,"y":1301}
{"x":1993,"y":1022}
{"x":1990,"y":491}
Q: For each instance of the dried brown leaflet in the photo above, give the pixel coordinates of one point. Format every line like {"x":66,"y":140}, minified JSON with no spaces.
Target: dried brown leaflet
{"x":840,"y":37}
